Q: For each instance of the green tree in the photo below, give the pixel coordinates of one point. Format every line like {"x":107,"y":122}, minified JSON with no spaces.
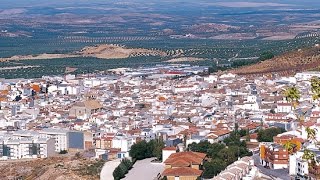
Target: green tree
{"x":315,"y":87}
{"x":289,"y":146}
{"x":268,"y":134}
{"x":292,"y":94}
{"x":214,"y":149}
{"x":143,"y":149}
{"x":311,"y":134}
{"x":118,"y":173}
{"x":265,"y":56}
{"x":139,"y":150}
{"x":202,"y":147}
{"x":308,"y":155}
{"x":213,"y":167}
{"x":229,"y":155}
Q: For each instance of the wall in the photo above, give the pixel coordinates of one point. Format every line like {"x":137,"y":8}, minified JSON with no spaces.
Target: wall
{"x":76,"y":140}
{"x":51,"y":147}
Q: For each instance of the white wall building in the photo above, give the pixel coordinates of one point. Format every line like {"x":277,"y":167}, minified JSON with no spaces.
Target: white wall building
{"x":26,"y":148}
{"x":122,"y":142}
{"x":59,"y":135}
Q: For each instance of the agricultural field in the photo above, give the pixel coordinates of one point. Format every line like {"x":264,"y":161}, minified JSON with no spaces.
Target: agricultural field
{"x":152,"y":33}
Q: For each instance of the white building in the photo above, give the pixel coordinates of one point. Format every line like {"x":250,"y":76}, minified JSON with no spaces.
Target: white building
{"x":122,"y":142}
{"x":59,"y":135}
{"x":167,"y":151}
{"x":306,"y":76}
{"x":26,"y":148}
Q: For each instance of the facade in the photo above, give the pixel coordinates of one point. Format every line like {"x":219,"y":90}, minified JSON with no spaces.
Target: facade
{"x":83,"y":110}
{"x":60,"y":136}
{"x":124,"y":144}
{"x":273,"y":156}
{"x":301,"y":168}
{"x":243,"y":169}
{"x":167,"y":151}
{"x":27,"y":148}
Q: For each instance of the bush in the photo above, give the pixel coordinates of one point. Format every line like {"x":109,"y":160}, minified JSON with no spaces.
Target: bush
{"x":63,"y":152}
{"x":123,"y":168}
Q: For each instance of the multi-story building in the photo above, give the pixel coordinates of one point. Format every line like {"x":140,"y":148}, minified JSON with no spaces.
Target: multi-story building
{"x":59,"y":135}
{"x":274,"y":156}
{"x":301,"y":168}
{"x":124,"y":143}
{"x":26,"y":148}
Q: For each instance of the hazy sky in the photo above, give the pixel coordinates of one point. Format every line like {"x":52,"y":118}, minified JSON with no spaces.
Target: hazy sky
{"x":27,"y":3}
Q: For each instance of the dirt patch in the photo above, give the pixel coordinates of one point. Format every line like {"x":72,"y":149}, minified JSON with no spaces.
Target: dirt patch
{"x":105,"y":51}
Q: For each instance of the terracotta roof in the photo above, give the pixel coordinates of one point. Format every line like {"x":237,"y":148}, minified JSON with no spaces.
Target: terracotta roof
{"x":184,"y":171}
{"x":184,"y":159}
{"x":170,"y":148}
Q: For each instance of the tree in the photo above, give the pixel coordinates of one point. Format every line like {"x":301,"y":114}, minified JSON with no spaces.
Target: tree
{"x":315,"y":87}
{"x":265,"y":56}
{"x":229,"y":155}
{"x":127,"y":163}
{"x":268,"y":134}
{"x":292,"y":95}
{"x":157,"y":150}
{"x":138,"y":150}
{"x":118,"y":173}
{"x":311,"y":134}
{"x":202,"y":147}
{"x":308,"y":155}
{"x":213,"y":167}
{"x":143,"y":149}
{"x":289,"y":146}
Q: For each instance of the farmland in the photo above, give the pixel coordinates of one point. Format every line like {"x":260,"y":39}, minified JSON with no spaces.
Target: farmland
{"x":152,"y":34}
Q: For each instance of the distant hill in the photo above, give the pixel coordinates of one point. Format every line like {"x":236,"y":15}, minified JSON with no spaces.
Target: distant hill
{"x":285,"y":64}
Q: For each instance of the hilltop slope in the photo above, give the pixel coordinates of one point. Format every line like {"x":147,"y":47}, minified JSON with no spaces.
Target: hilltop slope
{"x":286,"y":64}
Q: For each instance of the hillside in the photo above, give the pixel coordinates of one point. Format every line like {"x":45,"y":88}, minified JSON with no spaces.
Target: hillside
{"x":286,"y":64}
{"x":103,"y":51}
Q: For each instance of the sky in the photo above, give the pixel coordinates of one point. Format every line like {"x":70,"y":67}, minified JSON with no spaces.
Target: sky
{"x":5,"y":4}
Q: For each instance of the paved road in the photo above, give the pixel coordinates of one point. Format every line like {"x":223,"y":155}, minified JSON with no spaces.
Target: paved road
{"x":282,"y":174}
{"x":107,"y":170}
{"x":145,"y":170}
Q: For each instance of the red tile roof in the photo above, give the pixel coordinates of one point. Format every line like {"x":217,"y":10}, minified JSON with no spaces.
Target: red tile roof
{"x":185,"y":159}
{"x":170,"y":148}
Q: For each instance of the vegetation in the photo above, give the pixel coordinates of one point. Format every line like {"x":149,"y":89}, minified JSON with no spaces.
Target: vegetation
{"x":267,"y":135}
{"x":92,"y":169}
{"x":292,"y":95}
{"x":123,"y":168}
{"x":220,"y":155}
{"x":63,"y":152}
{"x":143,"y":149}
{"x":263,"y":56}
{"x":315,"y":88}
{"x":213,"y":51}
{"x":266,"y":56}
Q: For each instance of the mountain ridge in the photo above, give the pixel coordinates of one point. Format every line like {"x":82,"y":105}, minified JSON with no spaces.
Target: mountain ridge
{"x":288,"y":63}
